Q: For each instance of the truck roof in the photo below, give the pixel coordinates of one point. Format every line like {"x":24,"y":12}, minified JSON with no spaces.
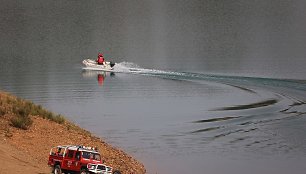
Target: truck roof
{"x":79,"y":148}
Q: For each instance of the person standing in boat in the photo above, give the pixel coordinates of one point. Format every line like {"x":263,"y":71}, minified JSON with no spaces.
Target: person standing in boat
{"x":100,"y":59}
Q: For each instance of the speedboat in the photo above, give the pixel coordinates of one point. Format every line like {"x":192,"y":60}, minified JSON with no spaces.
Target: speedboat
{"x":93,"y":65}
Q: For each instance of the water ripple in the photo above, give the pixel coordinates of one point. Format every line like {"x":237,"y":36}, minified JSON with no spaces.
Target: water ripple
{"x":249,"y":106}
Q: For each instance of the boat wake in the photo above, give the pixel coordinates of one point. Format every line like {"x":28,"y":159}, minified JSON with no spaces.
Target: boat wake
{"x":278,"y":102}
{"x":128,"y":67}
{"x":259,"y":116}
{"x":273,"y":92}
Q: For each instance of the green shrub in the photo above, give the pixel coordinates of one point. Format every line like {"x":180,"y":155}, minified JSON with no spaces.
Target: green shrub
{"x":21,"y":122}
{"x":49,"y":115}
{"x":58,"y":119}
{"x":22,"y":109}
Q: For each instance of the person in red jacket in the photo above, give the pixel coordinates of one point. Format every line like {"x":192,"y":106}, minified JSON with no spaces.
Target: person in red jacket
{"x":100,"y":59}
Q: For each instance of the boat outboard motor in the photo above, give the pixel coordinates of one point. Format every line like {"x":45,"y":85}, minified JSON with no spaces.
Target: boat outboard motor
{"x":112,"y":64}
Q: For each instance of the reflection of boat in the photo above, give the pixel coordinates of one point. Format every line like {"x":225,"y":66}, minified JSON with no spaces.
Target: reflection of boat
{"x":100,"y":79}
{"x":90,"y":74}
{"x":93,"y":65}
{"x":100,"y":75}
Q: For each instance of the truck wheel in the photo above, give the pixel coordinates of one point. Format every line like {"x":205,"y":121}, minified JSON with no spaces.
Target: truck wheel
{"x":116,"y":172}
{"x":57,"y":170}
{"x":84,"y":171}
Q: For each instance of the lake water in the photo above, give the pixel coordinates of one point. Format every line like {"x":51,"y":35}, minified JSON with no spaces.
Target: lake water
{"x":219,"y":87}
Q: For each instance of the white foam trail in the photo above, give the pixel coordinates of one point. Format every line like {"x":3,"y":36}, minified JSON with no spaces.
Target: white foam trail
{"x":128,"y":67}
{"x":125,"y":67}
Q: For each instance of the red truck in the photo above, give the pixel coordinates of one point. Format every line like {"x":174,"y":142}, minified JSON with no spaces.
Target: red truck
{"x":77,"y":159}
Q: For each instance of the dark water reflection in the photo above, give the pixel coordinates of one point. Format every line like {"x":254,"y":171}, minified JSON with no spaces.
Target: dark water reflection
{"x":196,"y":109}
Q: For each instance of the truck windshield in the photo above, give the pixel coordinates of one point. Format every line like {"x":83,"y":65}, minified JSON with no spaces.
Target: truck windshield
{"x":90,"y":155}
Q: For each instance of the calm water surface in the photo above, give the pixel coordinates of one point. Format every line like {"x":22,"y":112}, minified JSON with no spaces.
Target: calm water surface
{"x":219,"y":87}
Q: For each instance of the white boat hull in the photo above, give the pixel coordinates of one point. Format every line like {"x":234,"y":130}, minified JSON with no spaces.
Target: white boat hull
{"x":93,"y":65}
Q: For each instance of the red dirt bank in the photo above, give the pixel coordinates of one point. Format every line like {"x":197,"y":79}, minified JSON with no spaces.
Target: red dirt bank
{"x":26,"y":151}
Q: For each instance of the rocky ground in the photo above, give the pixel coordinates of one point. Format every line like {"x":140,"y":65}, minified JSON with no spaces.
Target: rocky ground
{"x":26,"y":151}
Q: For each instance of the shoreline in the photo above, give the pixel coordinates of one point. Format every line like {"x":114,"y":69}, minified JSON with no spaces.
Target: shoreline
{"x":36,"y":140}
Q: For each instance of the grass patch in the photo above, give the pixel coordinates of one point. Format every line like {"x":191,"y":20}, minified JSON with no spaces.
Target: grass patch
{"x":21,"y":110}
{"x":59,"y":119}
{"x":21,"y":122}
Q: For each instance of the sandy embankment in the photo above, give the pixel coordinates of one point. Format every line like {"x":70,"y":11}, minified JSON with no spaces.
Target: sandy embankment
{"x":26,"y":151}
